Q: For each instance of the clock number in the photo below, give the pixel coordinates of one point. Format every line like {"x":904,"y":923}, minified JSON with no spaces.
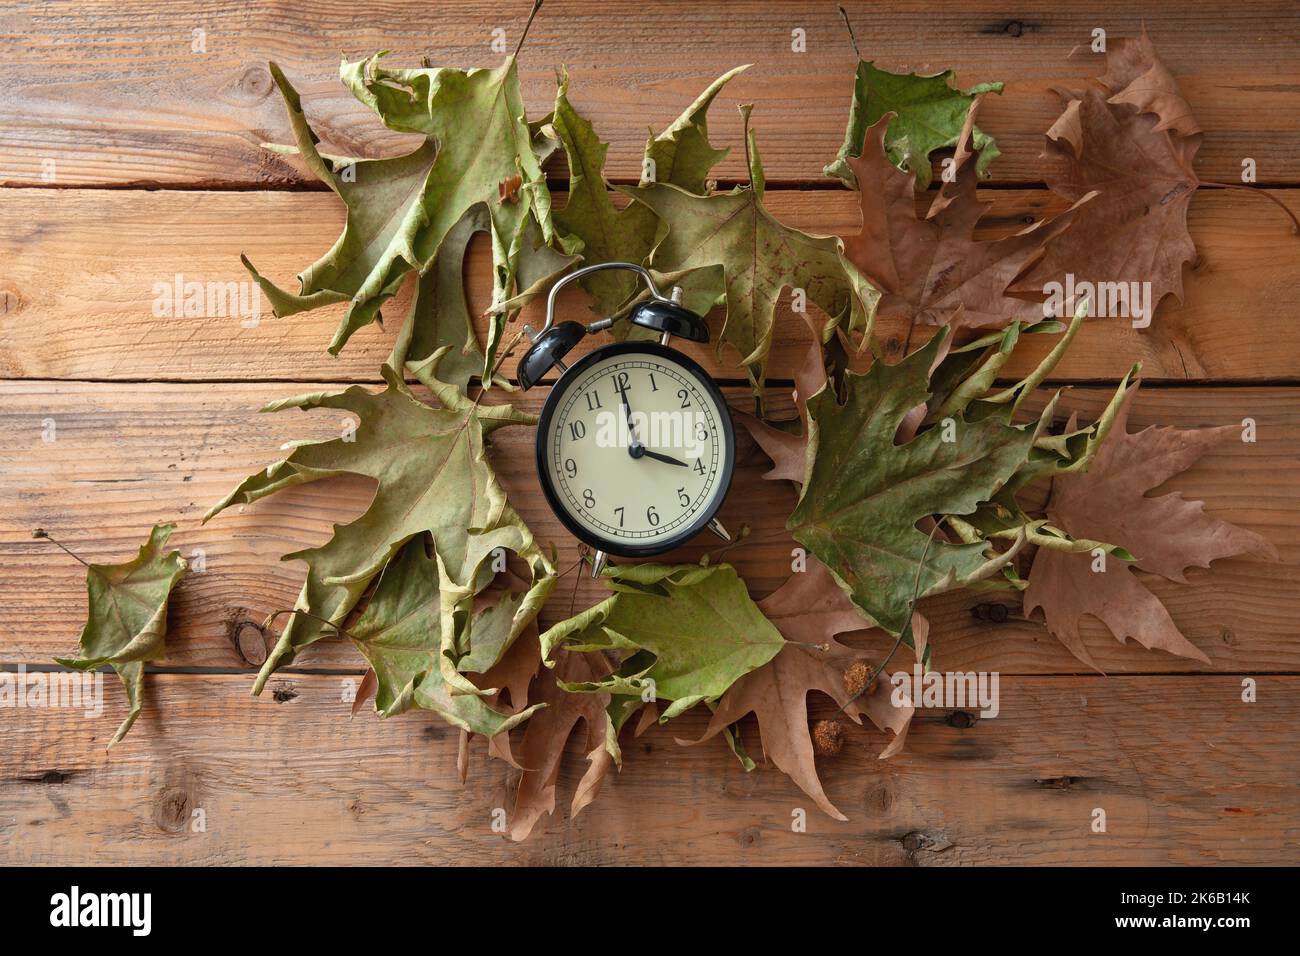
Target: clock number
{"x":577,"y":430}
{"x":654,"y":386}
{"x":619,"y":512}
{"x":593,"y":400}
{"x":701,"y":432}
{"x":685,"y":396}
{"x":699,"y":467}
{"x":621,"y":382}
{"x":571,"y":468}
{"x":652,"y":516}
{"x":683,"y":497}
{"x":588,"y":498}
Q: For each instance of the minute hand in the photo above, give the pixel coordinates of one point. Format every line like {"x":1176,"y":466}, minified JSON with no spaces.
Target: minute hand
{"x":667,"y":459}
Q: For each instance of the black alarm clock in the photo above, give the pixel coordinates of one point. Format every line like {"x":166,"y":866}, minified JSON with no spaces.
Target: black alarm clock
{"x":635,"y":444}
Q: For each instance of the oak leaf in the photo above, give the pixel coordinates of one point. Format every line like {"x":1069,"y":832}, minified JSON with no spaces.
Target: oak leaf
{"x":399,"y":633}
{"x":1165,"y":534}
{"x":749,"y":259}
{"x":433,"y":476}
{"x":541,"y":751}
{"x":681,"y":155}
{"x":126,"y":622}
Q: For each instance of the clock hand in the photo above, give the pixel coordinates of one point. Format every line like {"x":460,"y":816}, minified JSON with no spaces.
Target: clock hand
{"x":636,"y":448}
{"x":667,"y":459}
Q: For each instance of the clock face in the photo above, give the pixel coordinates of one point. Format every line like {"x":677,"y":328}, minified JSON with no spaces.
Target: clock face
{"x":635,"y":449}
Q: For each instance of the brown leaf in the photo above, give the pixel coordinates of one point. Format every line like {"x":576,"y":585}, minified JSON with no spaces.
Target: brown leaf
{"x":369,"y":683}
{"x":929,"y":267}
{"x":508,"y":188}
{"x":809,"y":610}
{"x":1166,"y":535}
{"x":547,"y":732}
{"x":1132,"y":142}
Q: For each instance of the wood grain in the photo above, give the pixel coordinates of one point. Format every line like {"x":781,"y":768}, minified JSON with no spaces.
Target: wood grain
{"x":112,"y":92}
{"x":126,"y":456}
{"x":77,"y":294}
{"x":1185,"y":772}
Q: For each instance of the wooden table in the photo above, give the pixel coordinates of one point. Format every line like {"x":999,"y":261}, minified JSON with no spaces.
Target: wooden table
{"x":128,"y":157}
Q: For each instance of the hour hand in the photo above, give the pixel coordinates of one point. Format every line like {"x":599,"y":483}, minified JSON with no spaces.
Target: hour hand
{"x":666,"y":459}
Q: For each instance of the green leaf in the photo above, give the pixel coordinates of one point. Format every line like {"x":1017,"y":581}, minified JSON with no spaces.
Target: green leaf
{"x":385,"y":199}
{"x":753,"y":258}
{"x":433,"y":475}
{"x":681,"y":155}
{"x":930,"y":116}
{"x":864,"y":495}
{"x":126,"y":623}
{"x":686,"y":633}
{"x":400,"y":635}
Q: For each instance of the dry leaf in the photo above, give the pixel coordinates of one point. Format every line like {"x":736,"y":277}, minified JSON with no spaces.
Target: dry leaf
{"x":809,"y":610}
{"x":1134,"y":147}
{"x":927,"y":268}
{"x":1165,"y":534}
{"x":542,"y":749}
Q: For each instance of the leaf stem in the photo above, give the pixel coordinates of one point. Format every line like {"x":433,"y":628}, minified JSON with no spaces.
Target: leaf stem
{"x":270,"y":618}
{"x":1295,"y":223}
{"x":537,"y":5}
{"x":43,"y":534}
{"x":849,"y":26}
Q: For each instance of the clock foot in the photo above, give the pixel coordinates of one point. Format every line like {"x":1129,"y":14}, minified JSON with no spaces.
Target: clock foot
{"x":598,"y":561}
{"x":716,"y":527}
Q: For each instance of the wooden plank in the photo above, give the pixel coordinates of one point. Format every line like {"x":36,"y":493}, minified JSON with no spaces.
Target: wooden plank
{"x":113,"y":93}
{"x":293,"y":781}
{"x":81,"y":267}
{"x":126,"y":456}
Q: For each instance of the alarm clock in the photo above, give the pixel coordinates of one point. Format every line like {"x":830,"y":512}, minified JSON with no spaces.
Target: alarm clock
{"x":635,"y":444}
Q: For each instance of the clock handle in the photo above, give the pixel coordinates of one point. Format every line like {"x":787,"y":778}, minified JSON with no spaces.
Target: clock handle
{"x":643,"y":272}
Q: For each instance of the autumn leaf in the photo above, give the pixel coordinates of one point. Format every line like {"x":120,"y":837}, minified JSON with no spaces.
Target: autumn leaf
{"x":433,"y":476}
{"x":863,"y":495}
{"x":810,"y":609}
{"x":752,"y":259}
{"x":399,"y":633}
{"x":1132,"y":141}
{"x":928,"y":268}
{"x":126,"y":622}
{"x":929,"y":115}
{"x":686,"y":633}
{"x":1165,"y":534}
{"x":541,"y":751}
{"x":681,"y":155}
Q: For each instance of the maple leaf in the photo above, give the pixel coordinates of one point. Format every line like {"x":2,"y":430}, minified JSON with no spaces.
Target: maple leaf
{"x":1135,"y":149}
{"x":433,"y":476}
{"x":399,"y":633}
{"x":687,"y":633}
{"x":126,"y":621}
{"x":681,"y":155}
{"x":863,"y":495}
{"x":1166,"y":535}
{"x":542,"y":749}
{"x":930,"y":113}
{"x":927,"y":268}
{"x":809,"y":609}
{"x":749,"y":258}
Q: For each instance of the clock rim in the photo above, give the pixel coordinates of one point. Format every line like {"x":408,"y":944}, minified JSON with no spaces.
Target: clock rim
{"x":542,"y":442}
